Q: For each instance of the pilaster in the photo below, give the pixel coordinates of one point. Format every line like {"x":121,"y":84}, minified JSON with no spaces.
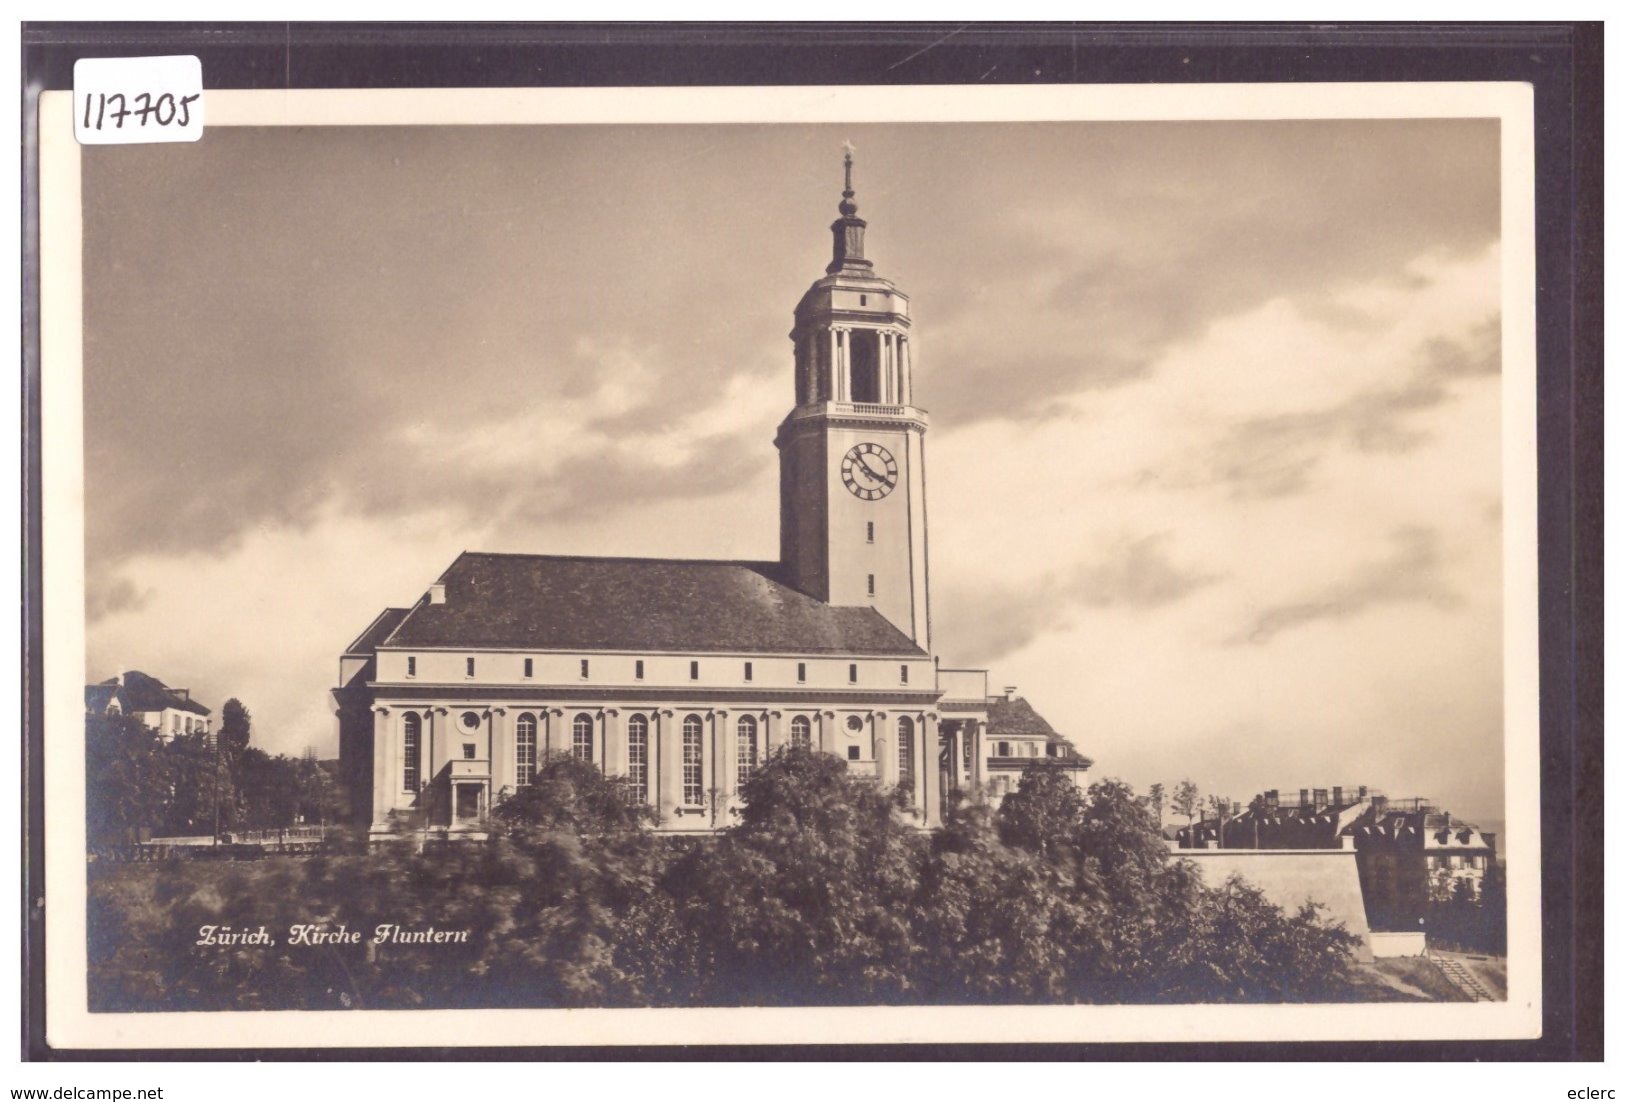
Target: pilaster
{"x":385,"y":782}
{"x":933,"y":772}
{"x":668,"y":756}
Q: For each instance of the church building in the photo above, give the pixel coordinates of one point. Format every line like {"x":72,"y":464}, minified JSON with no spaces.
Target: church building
{"x":683,"y":676}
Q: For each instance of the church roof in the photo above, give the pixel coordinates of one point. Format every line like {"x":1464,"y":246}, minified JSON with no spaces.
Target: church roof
{"x":577,"y":603}
{"x":377,"y":631}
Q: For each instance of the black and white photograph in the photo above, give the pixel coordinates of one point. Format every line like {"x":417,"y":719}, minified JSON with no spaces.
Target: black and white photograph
{"x":902,"y":564}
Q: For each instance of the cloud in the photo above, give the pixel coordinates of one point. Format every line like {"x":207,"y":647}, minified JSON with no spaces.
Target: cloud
{"x":1412,"y":573}
{"x":1274,"y":455}
{"x":1132,"y":573}
{"x":106,"y":597}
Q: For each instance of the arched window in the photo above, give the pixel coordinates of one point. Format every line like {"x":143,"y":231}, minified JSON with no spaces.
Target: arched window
{"x":581,"y":736}
{"x":693,"y":760}
{"x":747,"y":748}
{"x":524,"y":749}
{"x":411,"y":741}
{"x":801,"y":732}
{"x":905,"y":751}
{"x":637,"y":755}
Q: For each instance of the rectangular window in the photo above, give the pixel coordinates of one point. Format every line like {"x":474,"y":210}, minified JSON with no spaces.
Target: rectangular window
{"x":637,"y":669}
{"x":468,"y":751}
{"x":871,"y":585}
{"x":851,"y":753}
{"x":903,"y":672}
{"x":871,"y":530}
{"x":584,"y":667}
{"x":852,"y":673}
{"x":470,"y":667}
{"x":530,"y":667}
{"x":747,"y":671}
{"x":411,"y":665}
{"x":693,"y":671}
{"x":1004,"y":749}
{"x":801,"y":671}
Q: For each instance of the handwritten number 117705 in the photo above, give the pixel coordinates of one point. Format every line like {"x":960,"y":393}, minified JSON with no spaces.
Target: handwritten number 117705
{"x":112,"y":109}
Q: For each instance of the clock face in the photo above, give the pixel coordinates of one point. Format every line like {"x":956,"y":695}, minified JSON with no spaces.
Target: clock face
{"x":869,"y":472}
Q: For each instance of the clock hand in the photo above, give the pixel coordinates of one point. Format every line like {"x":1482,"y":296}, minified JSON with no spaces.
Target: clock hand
{"x":879,"y":476}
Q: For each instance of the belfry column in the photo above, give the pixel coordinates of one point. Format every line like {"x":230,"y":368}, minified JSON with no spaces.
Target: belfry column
{"x":932,"y":771}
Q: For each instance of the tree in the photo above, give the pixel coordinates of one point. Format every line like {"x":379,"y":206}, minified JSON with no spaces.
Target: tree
{"x":1221,"y":811}
{"x":571,"y":795}
{"x":236,"y":726}
{"x":1156,"y":795}
{"x":126,"y":782}
{"x":1044,"y":811}
{"x":806,"y":900}
{"x":1186,"y":801}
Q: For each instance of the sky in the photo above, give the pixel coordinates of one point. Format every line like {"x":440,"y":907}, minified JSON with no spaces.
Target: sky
{"x":1214,"y":459}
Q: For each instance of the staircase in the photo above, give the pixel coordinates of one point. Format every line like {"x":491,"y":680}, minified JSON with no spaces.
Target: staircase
{"x":1460,"y":975}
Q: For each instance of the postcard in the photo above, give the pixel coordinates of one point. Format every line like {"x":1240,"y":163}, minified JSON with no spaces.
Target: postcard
{"x":797,"y":564}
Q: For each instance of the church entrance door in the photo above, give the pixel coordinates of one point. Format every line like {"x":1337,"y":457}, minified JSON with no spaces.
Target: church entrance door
{"x":467,"y":803}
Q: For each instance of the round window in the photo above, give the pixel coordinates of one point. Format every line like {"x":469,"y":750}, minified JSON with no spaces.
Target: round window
{"x":854,"y":723}
{"x":470,"y":720}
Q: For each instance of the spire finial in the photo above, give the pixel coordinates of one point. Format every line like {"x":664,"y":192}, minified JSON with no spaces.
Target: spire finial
{"x":848,"y":207}
{"x":848,"y":228}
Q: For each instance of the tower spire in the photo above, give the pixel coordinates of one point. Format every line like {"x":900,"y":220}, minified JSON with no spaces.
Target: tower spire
{"x":848,"y":228}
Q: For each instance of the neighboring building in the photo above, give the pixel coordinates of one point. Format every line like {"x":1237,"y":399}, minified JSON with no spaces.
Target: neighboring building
{"x":1016,"y":737}
{"x":683,"y":675}
{"x":167,"y":711}
{"x":1409,"y":852}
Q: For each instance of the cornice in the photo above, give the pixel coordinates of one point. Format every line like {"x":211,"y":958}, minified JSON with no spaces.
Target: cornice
{"x":712,"y":698}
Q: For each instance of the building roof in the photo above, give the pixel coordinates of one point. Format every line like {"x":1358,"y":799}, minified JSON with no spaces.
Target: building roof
{"x":139,"y":692}
{"x":577,"y":603}
{"x":1014,"y":716}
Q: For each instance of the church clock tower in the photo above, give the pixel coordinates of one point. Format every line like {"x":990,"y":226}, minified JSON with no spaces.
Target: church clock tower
{"x":852,"y":451}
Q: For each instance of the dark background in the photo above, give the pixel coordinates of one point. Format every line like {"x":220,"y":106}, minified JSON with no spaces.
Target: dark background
{"x":1563,"y":62}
